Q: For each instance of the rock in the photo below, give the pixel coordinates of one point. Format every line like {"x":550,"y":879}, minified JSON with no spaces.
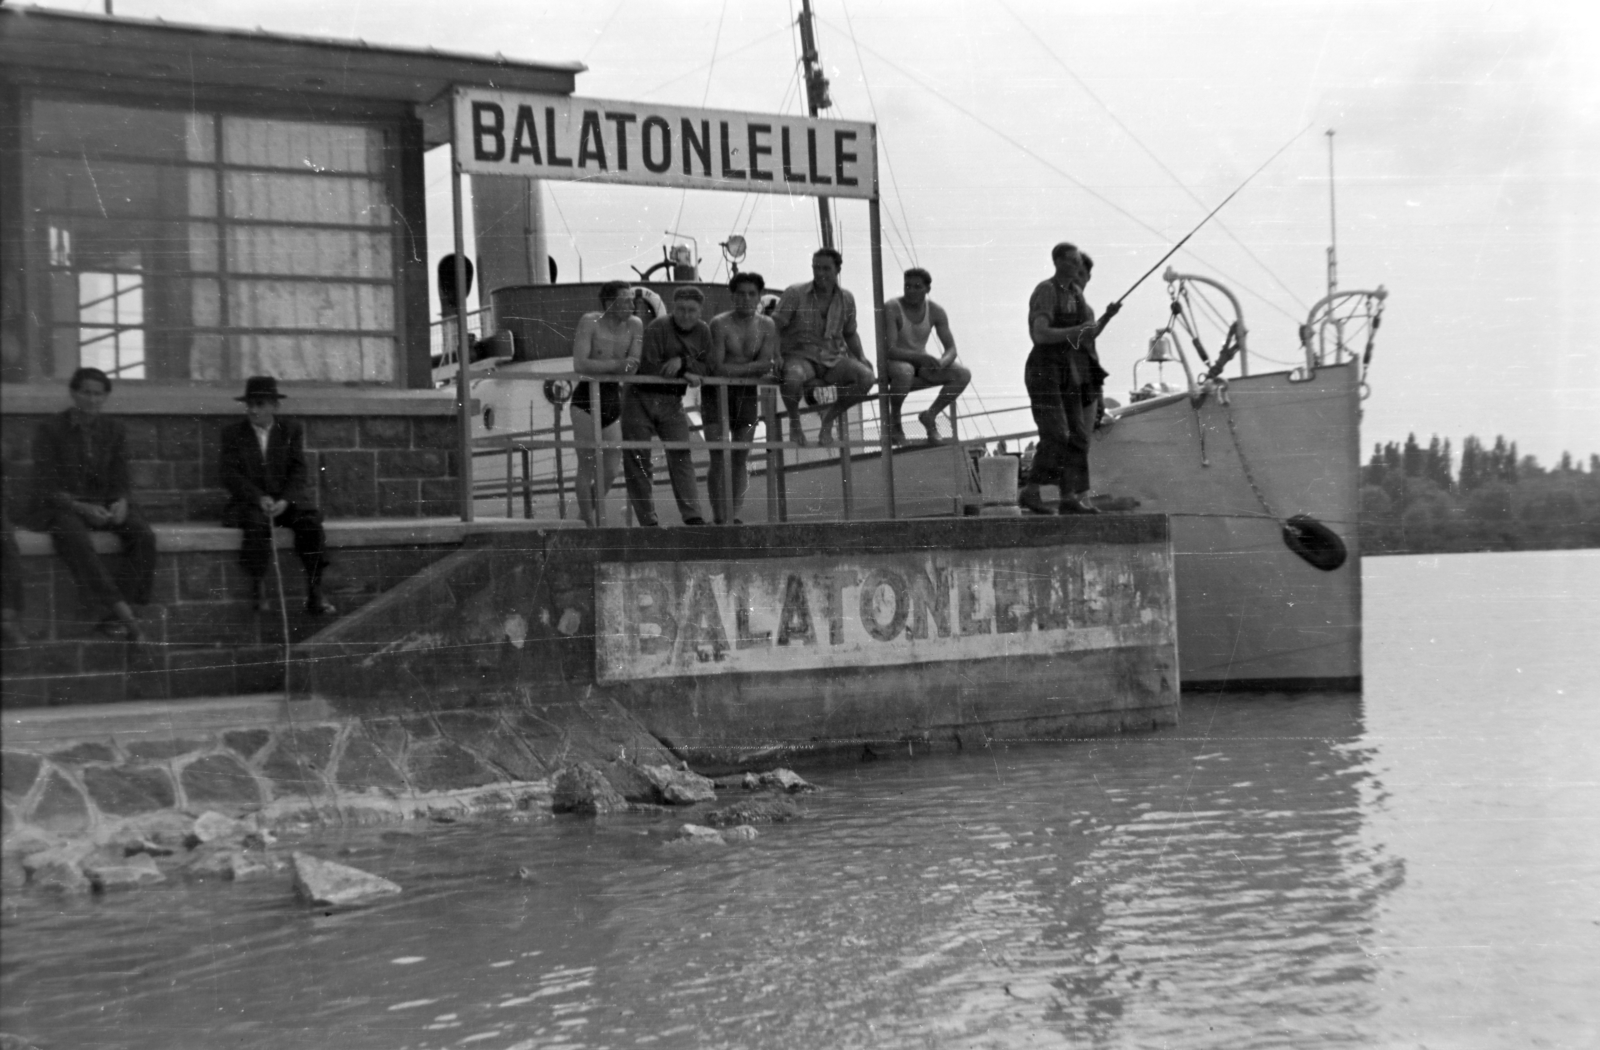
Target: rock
{"x":773,"y":809}
{"x":107,"y":870}
{"x":680,"y":787}
{"x":227,"y":864}
{"x":695,"y":835}
{"x":261,"y":838}
{"x":581,"y":788}
{"x":164,"y":829}
{"x":211,"y":826}
{"x":740,"y":833}
{"x":131,"y":842}
{"x":58,"y":869}
{"x":632,"y":782}
{"x":324,"y":883}
{"x":788,"y":780}
{"x":242,"y":867}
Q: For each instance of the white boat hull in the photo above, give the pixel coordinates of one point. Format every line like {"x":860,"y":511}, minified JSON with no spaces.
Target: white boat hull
{"x":1251,"y":613}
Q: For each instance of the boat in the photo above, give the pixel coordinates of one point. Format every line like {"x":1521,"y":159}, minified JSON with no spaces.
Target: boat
{"x":1258,"y":471}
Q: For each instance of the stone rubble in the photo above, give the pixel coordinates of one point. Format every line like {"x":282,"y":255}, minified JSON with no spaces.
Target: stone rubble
{"x":150,"y":848}
{"x":113,"y":870}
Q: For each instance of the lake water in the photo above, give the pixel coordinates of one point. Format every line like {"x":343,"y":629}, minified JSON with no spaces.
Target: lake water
{"x":1418,"y":866}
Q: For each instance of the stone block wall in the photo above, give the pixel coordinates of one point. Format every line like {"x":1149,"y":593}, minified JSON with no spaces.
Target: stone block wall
{"x":315,"y":768}
{"x":363,"y":466}
{"x":203,"y":637}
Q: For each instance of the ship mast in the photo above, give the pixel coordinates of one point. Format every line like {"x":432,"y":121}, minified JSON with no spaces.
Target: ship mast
{"x":816,"y":99}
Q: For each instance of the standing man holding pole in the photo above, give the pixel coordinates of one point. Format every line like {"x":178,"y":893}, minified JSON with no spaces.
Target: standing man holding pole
{"x":1063,"y":377}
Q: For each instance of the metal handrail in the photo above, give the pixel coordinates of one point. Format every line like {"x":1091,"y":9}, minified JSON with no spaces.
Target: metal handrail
{"x":524,"y":442}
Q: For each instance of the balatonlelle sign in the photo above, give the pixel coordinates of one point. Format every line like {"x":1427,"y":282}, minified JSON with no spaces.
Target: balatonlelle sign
{"x":644,"y":144}
{"x":670,"y":619}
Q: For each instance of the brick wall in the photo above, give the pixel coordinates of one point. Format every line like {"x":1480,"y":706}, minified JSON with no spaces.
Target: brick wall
{"x":401,"y":466}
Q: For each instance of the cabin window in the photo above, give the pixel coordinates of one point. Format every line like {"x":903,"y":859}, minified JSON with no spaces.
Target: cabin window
{"x":211,"y":246}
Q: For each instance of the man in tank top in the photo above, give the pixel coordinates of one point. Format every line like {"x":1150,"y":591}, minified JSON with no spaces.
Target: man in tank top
{"x":911,"y":319}
{"x":744,"y":345}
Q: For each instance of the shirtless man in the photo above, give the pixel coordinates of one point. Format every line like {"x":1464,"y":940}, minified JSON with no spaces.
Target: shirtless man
{"x":744,"y":345}
{"x":911,"y":319}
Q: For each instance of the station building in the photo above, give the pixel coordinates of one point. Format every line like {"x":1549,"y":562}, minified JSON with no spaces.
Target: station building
{"x":184,"y":207}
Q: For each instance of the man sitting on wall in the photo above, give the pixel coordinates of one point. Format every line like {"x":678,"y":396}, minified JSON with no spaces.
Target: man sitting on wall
{"x":817,"y":322}
{"x":264,"y":471}
{"x":80,"y":486}
{"x":911,"y":319}
{"x":675,"y":349}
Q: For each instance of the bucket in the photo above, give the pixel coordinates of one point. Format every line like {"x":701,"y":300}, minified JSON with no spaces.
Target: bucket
{"x":997,"y":478}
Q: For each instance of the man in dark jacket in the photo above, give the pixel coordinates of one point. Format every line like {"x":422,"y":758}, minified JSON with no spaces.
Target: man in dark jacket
{"x":264,"y":471}
{"x":675,"y":348}
{"x":80,"y":486}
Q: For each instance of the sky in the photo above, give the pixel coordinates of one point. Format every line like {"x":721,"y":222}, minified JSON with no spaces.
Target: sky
{"x":1467,"y":161}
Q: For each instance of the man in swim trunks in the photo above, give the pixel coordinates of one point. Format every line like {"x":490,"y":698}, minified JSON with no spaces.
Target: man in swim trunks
{"x":744,"y":345}
{"x":911,"y":319}
{"x":816,"y":323}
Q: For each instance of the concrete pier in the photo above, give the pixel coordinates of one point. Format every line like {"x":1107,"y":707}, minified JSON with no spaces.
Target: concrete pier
{"x":729,"y":644}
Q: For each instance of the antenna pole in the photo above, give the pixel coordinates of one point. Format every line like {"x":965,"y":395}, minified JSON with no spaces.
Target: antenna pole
{"x":816,"y":99}
{"x":1333,"y":224}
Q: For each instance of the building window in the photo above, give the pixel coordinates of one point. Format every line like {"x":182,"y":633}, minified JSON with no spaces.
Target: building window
{"x":211,"y":246}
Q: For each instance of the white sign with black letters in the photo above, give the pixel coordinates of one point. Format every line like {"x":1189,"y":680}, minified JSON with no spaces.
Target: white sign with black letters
{"x":645,"y":144}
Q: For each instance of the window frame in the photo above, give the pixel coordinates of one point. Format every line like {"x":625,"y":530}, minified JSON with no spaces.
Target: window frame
{"x":39,"y":362}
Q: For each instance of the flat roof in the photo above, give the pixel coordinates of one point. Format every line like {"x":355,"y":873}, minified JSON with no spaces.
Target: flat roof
{"x":94,"y":45}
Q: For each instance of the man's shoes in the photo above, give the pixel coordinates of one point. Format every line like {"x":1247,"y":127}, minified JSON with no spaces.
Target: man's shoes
{"x":897,"y":434}
{"x":1077,"y":505}
{"x":930,"y":423}
{"x":797,"y":433}
{"x":694,"y":521}
{"x":825,"y":435}
{"x":1030,"y":500}
{"x":317,"y":605}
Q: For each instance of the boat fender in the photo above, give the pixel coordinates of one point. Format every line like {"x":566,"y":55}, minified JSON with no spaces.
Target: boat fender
{"x":1319,"y":545}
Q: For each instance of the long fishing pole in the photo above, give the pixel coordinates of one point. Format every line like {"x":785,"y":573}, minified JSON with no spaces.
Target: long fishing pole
{"x":1225,"y":200}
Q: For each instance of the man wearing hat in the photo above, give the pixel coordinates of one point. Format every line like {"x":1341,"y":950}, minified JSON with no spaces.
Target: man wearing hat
{"x":264,"y":471}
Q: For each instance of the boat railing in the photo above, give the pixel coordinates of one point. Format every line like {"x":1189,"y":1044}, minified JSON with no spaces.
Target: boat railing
{"x":770,"y":457}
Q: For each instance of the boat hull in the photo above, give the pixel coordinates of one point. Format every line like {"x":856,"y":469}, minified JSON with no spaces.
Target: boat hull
{"x":1252,"y":613}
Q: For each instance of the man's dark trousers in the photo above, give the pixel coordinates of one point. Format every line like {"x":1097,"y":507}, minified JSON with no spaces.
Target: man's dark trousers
{"x":131,"y":583}
{"x":657,"y":415}
{"x":255,"y":549}
{"x":1064,"y":422}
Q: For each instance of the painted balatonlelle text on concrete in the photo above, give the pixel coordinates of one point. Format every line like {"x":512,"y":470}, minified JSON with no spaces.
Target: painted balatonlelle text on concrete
{"x":660,"y":619}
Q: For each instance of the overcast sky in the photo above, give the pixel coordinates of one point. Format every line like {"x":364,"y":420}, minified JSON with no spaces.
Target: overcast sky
{"x":1468,"y":163}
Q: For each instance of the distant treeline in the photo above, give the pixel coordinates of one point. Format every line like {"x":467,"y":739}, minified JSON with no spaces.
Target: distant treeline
{"x":1417,"y":500}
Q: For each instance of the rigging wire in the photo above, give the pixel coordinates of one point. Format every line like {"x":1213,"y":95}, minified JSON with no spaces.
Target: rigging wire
{"x":1090,"y":191}
{"x":883,"y":142}
{"x":711,"y":69}
{"x":615,"y":11}
{"x":704,"y":65}
{"x":1148,"y":152}
{"x":571,"y":240}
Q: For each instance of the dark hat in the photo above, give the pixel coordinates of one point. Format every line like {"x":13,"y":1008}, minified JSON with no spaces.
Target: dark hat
{"x":261,"y":388}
